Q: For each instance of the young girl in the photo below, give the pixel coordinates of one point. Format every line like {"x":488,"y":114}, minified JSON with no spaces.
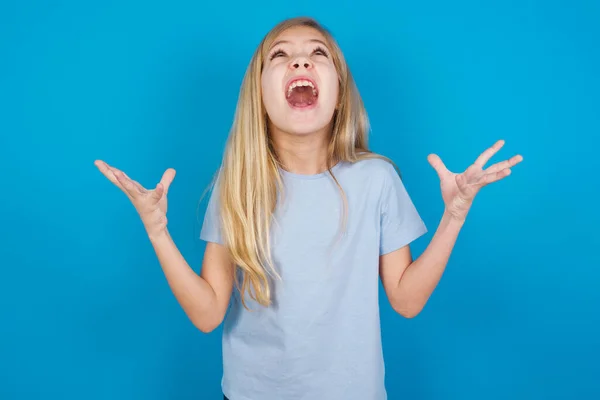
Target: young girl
{"x":304,"y":220}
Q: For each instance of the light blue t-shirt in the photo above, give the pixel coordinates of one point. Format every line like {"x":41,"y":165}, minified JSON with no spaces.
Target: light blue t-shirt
{"x":320,"y":340}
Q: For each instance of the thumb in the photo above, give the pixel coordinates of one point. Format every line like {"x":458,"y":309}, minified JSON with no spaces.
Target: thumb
{"x":437,"y":164}
{"x":167,"y":178}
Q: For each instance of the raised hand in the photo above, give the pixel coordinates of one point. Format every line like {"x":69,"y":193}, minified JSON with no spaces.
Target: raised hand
{"x":151,"y":204}
{"x":459,"y":190}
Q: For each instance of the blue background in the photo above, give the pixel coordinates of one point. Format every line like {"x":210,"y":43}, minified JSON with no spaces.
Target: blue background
{"x":85,"y":310}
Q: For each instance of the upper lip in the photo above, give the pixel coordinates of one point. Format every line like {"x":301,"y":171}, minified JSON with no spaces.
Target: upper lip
{"x":300,"y":78}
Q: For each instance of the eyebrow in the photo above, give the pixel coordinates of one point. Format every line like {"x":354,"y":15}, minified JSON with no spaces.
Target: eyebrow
{"x":277,"y":43}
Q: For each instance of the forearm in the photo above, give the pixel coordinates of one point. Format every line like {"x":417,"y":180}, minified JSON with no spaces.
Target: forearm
{"x":422,"y":276}
{"x":195,"y":295}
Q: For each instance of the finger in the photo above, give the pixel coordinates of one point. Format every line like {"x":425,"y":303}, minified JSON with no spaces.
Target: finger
{"x":136,"y":184}
{"x":437,"y":164}
{"x":494,"y":176}
{"x":108,"y":172}
{"x":167,"y":178}
{"x":461,"y":181}
{"x":504,"y":164}
{"x":158,"y":192}
{"x":128,"y":185}
{"x":487,"y":154}
{"x":103,"y":168}
{"x":112,"y":174}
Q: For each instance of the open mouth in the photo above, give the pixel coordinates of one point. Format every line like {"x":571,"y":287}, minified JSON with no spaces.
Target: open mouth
{"x":302,"y":93}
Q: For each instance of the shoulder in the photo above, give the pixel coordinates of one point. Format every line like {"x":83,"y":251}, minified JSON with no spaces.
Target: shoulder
{"x":372,"y":178}
{"x":374,"y":168}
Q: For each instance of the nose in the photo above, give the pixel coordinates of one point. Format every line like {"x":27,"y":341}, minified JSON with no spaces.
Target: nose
{"x":301,"y":61}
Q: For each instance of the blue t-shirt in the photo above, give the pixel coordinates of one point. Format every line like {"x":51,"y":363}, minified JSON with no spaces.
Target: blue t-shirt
{"x":321,"y":337}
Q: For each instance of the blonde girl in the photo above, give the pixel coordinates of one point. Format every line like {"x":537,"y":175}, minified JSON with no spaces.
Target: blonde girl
{"x":303,"y":222}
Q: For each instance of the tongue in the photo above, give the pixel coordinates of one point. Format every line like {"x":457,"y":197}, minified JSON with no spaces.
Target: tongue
{"x":301,"y":96}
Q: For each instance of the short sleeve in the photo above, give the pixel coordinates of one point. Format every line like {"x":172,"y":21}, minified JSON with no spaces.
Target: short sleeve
{"x":400,"y":222}
{"x":211,"y":227}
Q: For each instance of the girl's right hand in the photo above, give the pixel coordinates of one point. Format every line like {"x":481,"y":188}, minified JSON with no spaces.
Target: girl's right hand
{"x":151,"y":205}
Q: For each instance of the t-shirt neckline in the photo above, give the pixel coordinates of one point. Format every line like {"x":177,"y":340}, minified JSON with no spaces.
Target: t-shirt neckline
{"x":323,"y":174}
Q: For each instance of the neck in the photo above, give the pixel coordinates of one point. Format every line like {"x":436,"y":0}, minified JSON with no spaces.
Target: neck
{"x":302,"y":154}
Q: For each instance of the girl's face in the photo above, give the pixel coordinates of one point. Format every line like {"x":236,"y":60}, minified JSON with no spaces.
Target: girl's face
{"x":300,"y":82}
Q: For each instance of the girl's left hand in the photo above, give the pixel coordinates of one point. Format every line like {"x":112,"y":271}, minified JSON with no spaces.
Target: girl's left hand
{"x":459,"y":190}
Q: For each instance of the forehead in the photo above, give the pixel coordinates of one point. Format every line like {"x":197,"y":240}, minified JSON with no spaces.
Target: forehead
{"x":298,"y":35}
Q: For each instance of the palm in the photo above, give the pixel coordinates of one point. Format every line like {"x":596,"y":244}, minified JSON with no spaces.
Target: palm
{"x":459,"y":190}
{"x":151,"y":204}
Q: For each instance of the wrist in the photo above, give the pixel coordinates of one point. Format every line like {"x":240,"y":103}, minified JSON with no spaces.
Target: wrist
{"x":158,"y":237}
{"x":454,"y":218}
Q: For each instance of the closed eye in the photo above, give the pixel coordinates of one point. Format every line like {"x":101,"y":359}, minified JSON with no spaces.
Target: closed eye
{"x":277,"y":53}
{"x":320,"y":51}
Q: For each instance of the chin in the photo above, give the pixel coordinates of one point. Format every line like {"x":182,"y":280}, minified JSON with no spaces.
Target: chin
{"x":304,"y":130}
{"x":303,"y":120}
{"x":302,"y":125}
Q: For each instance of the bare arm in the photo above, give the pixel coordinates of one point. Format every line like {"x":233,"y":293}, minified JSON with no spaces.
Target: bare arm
{"x":409,"y":284}
{"x":204,"y":297}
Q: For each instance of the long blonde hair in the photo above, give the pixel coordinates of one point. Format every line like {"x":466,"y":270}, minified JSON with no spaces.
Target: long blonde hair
{"x":249,"y":178}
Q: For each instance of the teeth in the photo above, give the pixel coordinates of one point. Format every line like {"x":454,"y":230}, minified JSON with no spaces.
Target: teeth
{"x":301,"y":82}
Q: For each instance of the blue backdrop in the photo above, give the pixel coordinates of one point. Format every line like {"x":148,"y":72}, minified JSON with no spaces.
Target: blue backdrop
{"x":85,"y":310}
